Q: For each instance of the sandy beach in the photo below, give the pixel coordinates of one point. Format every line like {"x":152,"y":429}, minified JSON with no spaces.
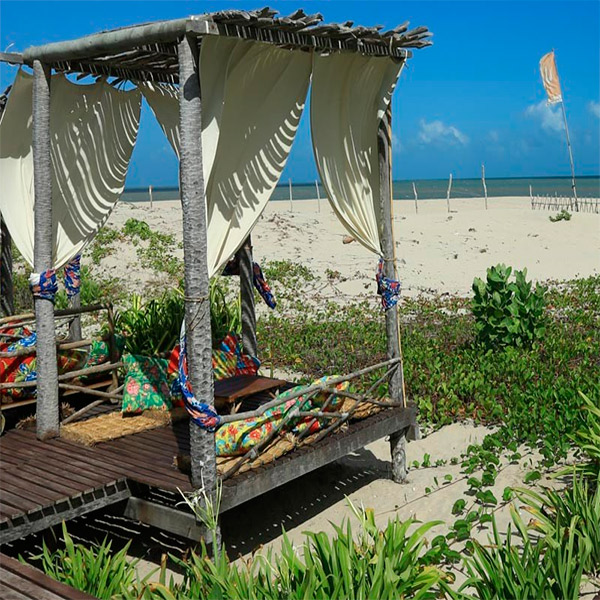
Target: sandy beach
{"x":437,"y":251}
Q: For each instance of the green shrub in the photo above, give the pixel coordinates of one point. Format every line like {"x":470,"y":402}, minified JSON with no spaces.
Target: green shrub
{"x":546,"y":569}
{"x":388,"y":564}
{"x":95,"y":570}
{"x":225,"y":314}
{"x":508,"y":313}
{"x":153,"y":327}
{"x":563,"y":215}
{"x":577,"y":507}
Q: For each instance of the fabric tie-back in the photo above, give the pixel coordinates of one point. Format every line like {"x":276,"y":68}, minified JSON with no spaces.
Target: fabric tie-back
{"x":93,"y":129}
{"x":349,"y":96}
{"x":253,"y":95}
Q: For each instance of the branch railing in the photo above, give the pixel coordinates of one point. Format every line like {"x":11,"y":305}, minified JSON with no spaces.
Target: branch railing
{"x":70,"y":382}
{"x":333,"y":419}
{"x":557,"y":203}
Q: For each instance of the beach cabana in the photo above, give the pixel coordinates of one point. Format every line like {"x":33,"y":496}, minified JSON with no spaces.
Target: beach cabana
{"x":228,"y":90}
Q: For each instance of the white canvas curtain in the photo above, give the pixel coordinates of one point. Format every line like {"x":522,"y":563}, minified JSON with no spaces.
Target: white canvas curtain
{"x":93,"y":129}
{"x":349,"y":95}
{"x":253,"y":95}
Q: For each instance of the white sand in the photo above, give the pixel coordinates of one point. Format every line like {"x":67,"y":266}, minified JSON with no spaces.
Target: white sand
{"x":437,"y":251}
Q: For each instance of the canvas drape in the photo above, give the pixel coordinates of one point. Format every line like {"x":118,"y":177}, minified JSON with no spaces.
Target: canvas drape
{"x":93,"y":129}
{"x":349,"y":95}
{"x":253,"y":95}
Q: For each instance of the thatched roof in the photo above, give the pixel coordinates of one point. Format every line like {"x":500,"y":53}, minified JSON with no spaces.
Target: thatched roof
{"x":149,"y":51}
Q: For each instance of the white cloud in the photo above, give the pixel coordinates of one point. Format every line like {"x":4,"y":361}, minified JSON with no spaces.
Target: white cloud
{"x":494,"y":135}
{"x":547,"y":114}
{"x":594,"y":108}
{"x":438,"y":132}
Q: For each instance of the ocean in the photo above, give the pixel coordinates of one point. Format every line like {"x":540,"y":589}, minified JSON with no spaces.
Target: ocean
{"x":587,"y":187}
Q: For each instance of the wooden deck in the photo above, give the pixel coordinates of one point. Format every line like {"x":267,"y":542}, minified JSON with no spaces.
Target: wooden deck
{"x":43,"y":483}
{"x":23,"y":582}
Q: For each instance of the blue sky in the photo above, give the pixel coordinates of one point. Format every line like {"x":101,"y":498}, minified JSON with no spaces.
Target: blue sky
{"x":473,"y":97}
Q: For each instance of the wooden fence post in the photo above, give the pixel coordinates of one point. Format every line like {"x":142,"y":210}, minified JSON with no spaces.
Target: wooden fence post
{"x":392,"y":325}
{"x":47,"y":417}
{"x":318,"y":195}
{"x":484,"y":185}
{"x":197,"y":302}
{"x":416,"y":198}
{"x":448,"y":192}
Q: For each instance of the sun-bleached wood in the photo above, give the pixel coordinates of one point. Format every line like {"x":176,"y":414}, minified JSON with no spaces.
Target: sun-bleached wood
{"x":47,"y":416}
{"x":392,"y":326}
{"x":197,"y":303}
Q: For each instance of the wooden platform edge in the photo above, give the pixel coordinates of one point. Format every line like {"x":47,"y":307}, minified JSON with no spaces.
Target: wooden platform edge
{"x":30,"y":582}
{"x":64,"y":510}
{"x":282,"y":471}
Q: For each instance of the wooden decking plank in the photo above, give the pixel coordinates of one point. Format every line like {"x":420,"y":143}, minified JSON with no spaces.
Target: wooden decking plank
{"x":93,"y":460}
{"x":129,"y":465}
{"x":56,"y":465}
{"x":29,"y":573}
{"x":20,"y":496}
{"x":40,"y":483}
{"x":7,"y":593}
{"x":27,"y":588}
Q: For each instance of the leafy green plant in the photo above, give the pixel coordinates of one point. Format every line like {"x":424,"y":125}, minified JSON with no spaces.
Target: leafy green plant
{"x":96,"y":570}
{"x":225,"y":313}
{"x":563,"y":215}
{"x":528,"y":568}
{"x":389,"y":563}
{"x":577,"y":507}
{"x":587,"y":439}
{"x":153,"y":327}
{"x":508,"y":313}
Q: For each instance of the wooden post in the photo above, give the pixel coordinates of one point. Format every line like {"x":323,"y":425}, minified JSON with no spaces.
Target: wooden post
{"x":245,"y":262}
{"x":448,"y":192}
{"x":531,"y":195}
{"x":291,"y":197}
{"x":392,"y":326}
{"x":7,"y":301}
{"x":197,"y":304}
{"x":484,"y":185}
{"x":416,"y":198}
{"x":318,"y":195}
{"x":47,"y":416}
{"x":75,"y":333}
{"x":150,"y":195}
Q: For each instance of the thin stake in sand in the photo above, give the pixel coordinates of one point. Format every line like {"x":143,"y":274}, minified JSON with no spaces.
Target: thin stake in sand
{"x":448,"y":192}
{"x":416,"y":198}
{"x":484,"y":185}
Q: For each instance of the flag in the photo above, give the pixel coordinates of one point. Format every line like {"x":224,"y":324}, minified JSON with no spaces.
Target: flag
{"x":550,"y":78}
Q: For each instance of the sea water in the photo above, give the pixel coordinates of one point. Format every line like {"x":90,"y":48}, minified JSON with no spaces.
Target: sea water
{"x":587,"y":187}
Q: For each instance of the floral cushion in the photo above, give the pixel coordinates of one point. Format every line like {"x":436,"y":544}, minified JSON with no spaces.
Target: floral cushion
{"x":23,"y":368}
{"x":240,"y":436}
{"x":146,"y":385}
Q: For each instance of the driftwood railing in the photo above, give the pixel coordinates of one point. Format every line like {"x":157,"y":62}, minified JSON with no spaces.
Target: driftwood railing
{"x":69,"y":382}
{"x":557,"y":203}
{"x":334,"y":420}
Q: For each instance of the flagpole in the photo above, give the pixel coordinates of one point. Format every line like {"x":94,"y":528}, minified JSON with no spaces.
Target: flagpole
{"x":573,"y":186}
